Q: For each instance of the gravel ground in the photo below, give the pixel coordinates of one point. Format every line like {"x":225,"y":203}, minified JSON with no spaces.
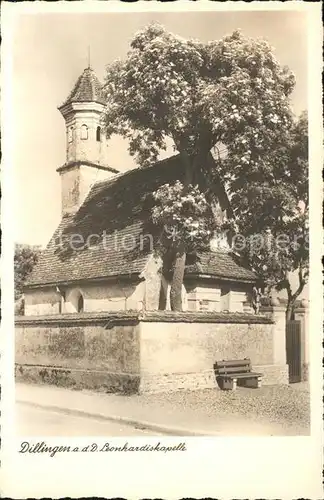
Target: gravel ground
{"x":288,"y":406}
{"x":270,"y":410}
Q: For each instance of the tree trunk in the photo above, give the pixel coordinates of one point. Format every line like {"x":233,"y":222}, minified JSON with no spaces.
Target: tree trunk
{"x":177,"y":280}
{"x":290,"y":305}
{"x":289,"y":311}
{"x":179,"y":261}
{"x":292,"y":297}
{"x":192,"y":166}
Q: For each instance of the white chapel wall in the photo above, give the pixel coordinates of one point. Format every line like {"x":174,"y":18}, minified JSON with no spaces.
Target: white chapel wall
{"x":42,"y":301}
{"x":203,"y":296}
{"x":95,"y":298}
{"x":105,"y":297}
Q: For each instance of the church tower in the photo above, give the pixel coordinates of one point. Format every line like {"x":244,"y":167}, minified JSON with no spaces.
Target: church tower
{"x":86,"y":144}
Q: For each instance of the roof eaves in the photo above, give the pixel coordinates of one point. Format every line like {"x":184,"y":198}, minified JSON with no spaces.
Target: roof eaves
{"x":79,"y":163}
{"x":219,"y":277}
{"x":129,"y":276}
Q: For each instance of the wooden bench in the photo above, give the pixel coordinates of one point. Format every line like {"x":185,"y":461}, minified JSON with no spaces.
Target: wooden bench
{"x":229,"y":373}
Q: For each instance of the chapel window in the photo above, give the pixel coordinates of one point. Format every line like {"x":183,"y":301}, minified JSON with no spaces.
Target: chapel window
{"x":98,"y":134}
{"x":84,"y":132}
{"x":80,"y":304}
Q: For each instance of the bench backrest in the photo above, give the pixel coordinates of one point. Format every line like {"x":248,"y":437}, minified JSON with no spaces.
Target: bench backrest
{"x":233,"y":366}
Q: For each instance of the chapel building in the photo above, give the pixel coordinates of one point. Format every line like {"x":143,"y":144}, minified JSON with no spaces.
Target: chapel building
{"x":111,"y":264}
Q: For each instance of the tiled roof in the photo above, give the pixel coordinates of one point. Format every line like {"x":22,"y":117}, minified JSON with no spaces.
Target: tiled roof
{"x":87,"y":89}
{"x":221,"y":265}
{"x":118,"y":210}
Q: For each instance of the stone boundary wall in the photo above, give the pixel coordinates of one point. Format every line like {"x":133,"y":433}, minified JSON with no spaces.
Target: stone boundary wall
{"x":93,"y":351}
{"x":143,"y":351}
{"x":181,"y":354}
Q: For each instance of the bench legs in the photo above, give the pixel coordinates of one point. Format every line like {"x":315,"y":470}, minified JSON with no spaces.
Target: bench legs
{"x":227,"y":384}
{"x":254,"y":383}
{"x":230,"y":384}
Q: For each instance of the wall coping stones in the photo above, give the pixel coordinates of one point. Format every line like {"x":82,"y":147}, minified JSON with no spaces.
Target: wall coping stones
{"x":204,"y":317}
{"x":105,"y":318}
{"x":110,"y":319}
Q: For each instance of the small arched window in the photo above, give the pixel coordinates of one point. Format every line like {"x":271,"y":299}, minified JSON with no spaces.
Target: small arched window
{"x":80,"y":304}
{"x":98,"y":134}
{"x":70,"y":134}
{"x":84,"y":132}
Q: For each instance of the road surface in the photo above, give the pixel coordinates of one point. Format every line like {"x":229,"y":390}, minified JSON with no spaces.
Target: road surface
{"x":33,"y":421}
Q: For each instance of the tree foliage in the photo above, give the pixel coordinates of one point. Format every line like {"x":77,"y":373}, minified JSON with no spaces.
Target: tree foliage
{"x":184,"y":217}
{"x":272,"y":213}
{"x":25,"y":258}
{"x":231,"y":91}
{"x":229,"y":94}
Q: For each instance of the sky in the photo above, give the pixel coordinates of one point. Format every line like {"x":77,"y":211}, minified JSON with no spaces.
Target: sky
{"x":50,"y":51}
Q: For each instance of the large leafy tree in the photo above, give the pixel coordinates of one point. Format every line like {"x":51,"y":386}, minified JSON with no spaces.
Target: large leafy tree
{"x":229,"y":94}
{"x":271,"y":212}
